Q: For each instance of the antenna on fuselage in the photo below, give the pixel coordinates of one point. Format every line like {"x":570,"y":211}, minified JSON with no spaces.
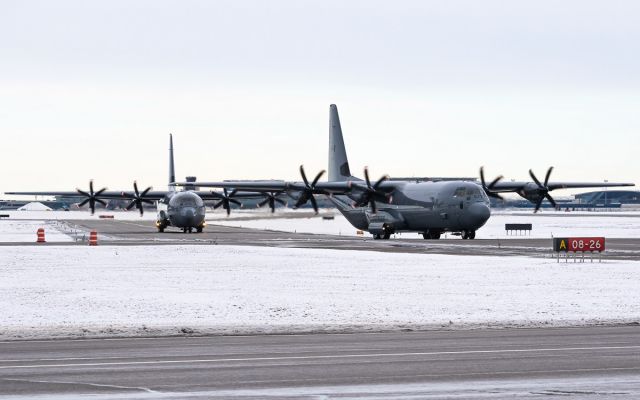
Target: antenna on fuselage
{"x":172,"y":170}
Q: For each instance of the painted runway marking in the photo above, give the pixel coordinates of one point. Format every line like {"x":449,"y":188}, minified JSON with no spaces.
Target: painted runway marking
{"x":334,"y":356}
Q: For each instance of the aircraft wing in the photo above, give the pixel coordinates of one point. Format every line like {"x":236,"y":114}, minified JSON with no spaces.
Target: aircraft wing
{"x":275,"y":186}
{"x":503,"y":187}
{"x":212,"y":195}
{"x":284,"y":186}
{"x":107,"y":194}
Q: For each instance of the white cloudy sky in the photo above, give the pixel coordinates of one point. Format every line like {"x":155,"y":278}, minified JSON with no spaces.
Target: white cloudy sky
{"x":91,"y":89}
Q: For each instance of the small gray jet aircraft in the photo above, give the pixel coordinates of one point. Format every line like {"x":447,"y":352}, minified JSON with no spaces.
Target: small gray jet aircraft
{"x":181,"y":209}
{"x":388,"y":206}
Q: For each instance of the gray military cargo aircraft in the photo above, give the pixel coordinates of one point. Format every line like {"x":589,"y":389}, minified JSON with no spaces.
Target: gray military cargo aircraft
{"x":388,"y":206}
{"x":181,"y":209}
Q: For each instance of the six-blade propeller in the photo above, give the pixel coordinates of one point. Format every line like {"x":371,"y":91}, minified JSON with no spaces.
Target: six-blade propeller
{"x":271,"y":198}
{"x":306,"y":194}
{"x":371,"y":193}
{"x":543,"y":190}
{"x":226,"y":199}
{"x":139,"y":198}
{"x":91,"y":197}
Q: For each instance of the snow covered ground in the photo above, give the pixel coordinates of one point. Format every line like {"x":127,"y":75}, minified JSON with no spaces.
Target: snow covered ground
{"x":545,"y":225}
{"x":26,"y":231}
{"x":139,"y":290}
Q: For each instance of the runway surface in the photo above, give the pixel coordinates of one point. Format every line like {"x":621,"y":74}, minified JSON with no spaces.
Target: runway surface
{"x":574,"y":362}
{"x":121,"y":232}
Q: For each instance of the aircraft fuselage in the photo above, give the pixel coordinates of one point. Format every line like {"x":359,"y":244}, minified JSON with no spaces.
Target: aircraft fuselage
{"x":430,"y":208}
{"x":185,"y":210}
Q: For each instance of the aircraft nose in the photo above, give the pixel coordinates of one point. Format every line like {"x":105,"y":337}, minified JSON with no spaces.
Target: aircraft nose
{"x":478,"y":214}
{"x":189,"y":212}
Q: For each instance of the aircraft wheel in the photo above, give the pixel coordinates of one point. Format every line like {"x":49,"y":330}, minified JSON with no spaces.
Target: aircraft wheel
{"x":377,"y":236}
{"x":435,"y":235}
{"x":465,"y":235}
{"x":199,"y":229}
{"x":387,"y":235}
{"x":190,"y":230}
{"x":472,"y":234}
{"x":161,"y":229}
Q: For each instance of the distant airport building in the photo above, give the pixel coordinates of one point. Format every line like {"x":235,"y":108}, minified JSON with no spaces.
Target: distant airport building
{"x":608,"y":198}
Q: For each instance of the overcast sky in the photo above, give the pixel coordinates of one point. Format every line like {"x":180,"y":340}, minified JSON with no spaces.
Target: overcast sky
{"x":92,"y":89}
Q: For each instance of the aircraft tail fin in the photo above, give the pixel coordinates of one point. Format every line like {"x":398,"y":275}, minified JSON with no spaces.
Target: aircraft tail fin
{"x":338,"y":163}
{"x":172,"y":170}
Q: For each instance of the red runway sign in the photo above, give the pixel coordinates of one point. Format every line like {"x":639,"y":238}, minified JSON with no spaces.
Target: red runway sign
{"x":579,"y":244}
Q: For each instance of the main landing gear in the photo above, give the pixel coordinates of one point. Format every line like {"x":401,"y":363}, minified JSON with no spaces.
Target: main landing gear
{"x":431,"y":234}
{"x":468,"y":234}
{"x":379,"y":236}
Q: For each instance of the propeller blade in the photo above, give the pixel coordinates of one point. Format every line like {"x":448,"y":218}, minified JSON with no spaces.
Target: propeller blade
{"x":301,"y":200}
{"x":379,"y":182}
{"x":546,"y":178}
{"x":284,"y":203}
{"x":85,"y":201}
{"x":304,"y":176}
{"x":314,"y":204}
{"x":228,"y":210}
{"x":374,"y":208}
{"x":493,"y":182}
{"x":135,"y":188}
{"x":91,"y":187}
{"x":551,"y":200}
{"x":144,"y":193}
{"x":234,"y":201}
{"x":130,"y":206}
{"x":317,"y":178}
{"x":532,"y":175}
{"x":217,"y":205}
{"x":104,"y":203}
{"x":538,"y":204}
{"x":263,"y":202}
{"x":366,"y":176}
{"x":82,"y":192}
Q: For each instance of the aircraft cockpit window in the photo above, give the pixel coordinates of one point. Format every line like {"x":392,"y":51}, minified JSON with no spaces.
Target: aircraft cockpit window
{"x":459,"y":192}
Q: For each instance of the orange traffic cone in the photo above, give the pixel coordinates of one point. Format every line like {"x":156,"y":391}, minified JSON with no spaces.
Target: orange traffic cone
{"x":93,"y":238}
{"x":41,"y":236}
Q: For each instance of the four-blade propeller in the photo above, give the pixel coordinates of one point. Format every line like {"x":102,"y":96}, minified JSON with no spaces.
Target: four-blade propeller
{"x":543,"y":190}
{"x":91,"y":197}
{"x":488,"y":189}
{"x":271,"y":198}
{"x":139,"y":198}
{"x":226,"y":200}
{"x":371,"y":192}
{"x":306,"y":194}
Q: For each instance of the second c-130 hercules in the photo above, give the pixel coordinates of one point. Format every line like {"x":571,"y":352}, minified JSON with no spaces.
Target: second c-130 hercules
{"x":388,"y":206}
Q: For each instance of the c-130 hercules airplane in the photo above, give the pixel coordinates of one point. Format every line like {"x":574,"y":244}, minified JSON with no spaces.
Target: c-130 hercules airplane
{"x":181,"y":209}
{"x":388,"y":206}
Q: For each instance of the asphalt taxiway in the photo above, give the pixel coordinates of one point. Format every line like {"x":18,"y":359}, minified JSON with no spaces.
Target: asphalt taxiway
{"x":533,"y":360}
{"x":123,"y":232}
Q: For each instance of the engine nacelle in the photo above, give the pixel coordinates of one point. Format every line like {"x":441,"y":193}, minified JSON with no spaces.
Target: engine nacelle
{"x":531,"y":192}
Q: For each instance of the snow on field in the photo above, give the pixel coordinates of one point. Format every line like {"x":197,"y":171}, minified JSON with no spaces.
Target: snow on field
{"x":545,"y":225}
{"x":78,"y":214}
{"x":25,"y":231}
{"x":139,"y":290}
